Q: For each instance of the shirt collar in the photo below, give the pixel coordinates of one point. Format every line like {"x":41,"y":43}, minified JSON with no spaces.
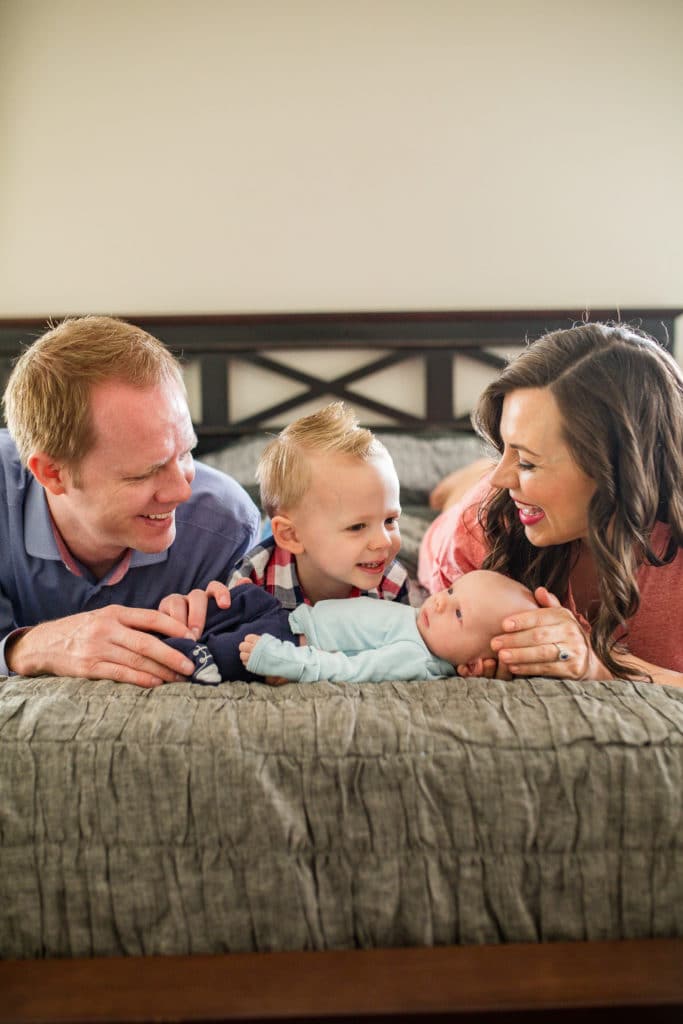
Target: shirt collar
{"x":40,"y":540}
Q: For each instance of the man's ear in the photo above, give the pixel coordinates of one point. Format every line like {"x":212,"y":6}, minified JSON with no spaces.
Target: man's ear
{"x":286,"y":537}
{"x":48,"y":472}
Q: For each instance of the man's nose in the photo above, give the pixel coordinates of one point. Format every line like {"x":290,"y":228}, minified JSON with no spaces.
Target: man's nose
{"x":176,"y":486}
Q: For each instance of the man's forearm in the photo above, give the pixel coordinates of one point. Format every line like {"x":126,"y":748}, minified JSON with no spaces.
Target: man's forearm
{"x":10,"y":651}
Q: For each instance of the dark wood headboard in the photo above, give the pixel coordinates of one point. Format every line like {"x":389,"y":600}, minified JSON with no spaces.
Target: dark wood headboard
{"x":214,"y":344}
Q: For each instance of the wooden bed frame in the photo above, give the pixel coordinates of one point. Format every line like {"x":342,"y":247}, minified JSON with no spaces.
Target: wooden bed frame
{"x":214,"y":343}
{"x":515,"y":982}
{"x":555,"y":982}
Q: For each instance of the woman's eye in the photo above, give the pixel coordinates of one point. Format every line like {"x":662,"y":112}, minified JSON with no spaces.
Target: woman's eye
{"x":525,"y":465}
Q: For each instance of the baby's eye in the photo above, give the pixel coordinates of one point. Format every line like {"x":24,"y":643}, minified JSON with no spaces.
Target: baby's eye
{"x":450,"y":591}
{"x":357,"y":527}
{"x":391,"y":521}
{"x":458,"y":613}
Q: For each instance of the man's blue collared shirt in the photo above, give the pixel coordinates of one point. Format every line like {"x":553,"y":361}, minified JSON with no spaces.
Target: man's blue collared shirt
{"x":214,"y":529}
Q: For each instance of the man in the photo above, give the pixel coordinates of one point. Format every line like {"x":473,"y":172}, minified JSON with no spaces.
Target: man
{"x":104,"y":511}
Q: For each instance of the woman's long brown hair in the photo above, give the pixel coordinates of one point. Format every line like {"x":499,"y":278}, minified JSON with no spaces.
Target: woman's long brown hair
{"x":620,"y":396}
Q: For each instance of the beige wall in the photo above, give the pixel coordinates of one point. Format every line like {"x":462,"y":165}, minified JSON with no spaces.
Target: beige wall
{"x":296,"y":155}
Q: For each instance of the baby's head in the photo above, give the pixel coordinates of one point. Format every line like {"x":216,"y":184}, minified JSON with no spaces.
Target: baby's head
{"x":459,"y":623}
{"x":332,"y":493}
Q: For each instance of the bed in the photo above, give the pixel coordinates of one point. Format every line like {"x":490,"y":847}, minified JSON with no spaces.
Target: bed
{"x":428,"y":849}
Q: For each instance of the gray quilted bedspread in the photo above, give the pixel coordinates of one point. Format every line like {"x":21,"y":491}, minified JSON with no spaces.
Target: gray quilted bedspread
{"x":190,"y":819}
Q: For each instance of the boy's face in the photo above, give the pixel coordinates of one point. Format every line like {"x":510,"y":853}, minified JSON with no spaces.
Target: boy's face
{"x":347,"y":524}
{"x":459,"y":623}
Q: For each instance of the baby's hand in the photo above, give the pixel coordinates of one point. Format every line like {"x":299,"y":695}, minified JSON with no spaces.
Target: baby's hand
{"x":247,"y":646}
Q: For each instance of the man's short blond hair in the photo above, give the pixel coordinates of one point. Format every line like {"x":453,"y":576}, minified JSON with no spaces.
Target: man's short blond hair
{"x":47,"y":400}
{"x":284,"y":470}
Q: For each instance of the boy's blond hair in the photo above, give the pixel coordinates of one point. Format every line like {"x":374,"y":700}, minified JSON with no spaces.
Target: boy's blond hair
{"x":284,"y":469}
{"x":47,"y":400}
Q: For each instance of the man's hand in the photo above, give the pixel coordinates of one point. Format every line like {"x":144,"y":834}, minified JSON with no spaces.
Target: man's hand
{"x":190,"y":609}
{"x":110,"y":643}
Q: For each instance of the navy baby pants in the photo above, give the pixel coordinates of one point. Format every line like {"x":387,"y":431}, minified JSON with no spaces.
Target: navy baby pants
{"x":216,"y":654}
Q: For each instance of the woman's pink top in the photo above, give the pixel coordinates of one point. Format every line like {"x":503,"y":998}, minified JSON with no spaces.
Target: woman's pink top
{"x":454,"y":544}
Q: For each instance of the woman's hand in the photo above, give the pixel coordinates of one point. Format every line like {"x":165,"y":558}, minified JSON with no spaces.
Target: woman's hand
{"x":190,"y":609}
{"x":547,"y":642}
{"x":487,"y":668}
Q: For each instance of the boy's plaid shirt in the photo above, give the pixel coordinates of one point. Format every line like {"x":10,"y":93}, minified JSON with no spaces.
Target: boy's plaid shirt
{"x":270,"y":567}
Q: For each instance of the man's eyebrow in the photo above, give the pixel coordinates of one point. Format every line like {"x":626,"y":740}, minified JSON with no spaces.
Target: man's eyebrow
{"x":160,"y":465}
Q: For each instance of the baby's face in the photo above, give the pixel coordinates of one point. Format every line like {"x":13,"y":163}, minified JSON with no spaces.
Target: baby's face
{"x":348,"y":524}
{"x":459,"y":623}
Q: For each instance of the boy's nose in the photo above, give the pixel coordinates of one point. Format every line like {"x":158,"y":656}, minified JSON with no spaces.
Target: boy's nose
{"x":380,"y":539}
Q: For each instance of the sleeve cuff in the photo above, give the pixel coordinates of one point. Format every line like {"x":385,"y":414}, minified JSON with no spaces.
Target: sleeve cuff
{"x":5,"y":670}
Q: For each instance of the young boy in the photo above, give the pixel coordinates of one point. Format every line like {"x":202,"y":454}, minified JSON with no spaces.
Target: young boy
{"x":332,"y":494}
{"x":357,"y":641}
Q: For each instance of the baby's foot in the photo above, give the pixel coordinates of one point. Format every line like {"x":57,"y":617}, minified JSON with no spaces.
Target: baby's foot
{"x":206,"y":670}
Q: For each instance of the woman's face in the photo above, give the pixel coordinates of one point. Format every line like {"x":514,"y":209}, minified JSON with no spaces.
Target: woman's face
{"x":549,"y":489}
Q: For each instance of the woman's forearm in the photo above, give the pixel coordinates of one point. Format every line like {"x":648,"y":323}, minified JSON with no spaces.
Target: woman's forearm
{"x":663,"y":676}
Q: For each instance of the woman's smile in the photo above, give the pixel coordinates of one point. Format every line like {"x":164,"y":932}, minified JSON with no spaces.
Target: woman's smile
{"x":529,"y":514}
{"x":550,"y":491}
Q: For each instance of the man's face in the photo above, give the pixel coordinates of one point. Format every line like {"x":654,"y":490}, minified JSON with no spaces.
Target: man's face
{"x":126,"y":489}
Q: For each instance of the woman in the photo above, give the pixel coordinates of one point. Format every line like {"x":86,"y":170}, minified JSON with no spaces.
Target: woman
{"x":584,"y":506}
